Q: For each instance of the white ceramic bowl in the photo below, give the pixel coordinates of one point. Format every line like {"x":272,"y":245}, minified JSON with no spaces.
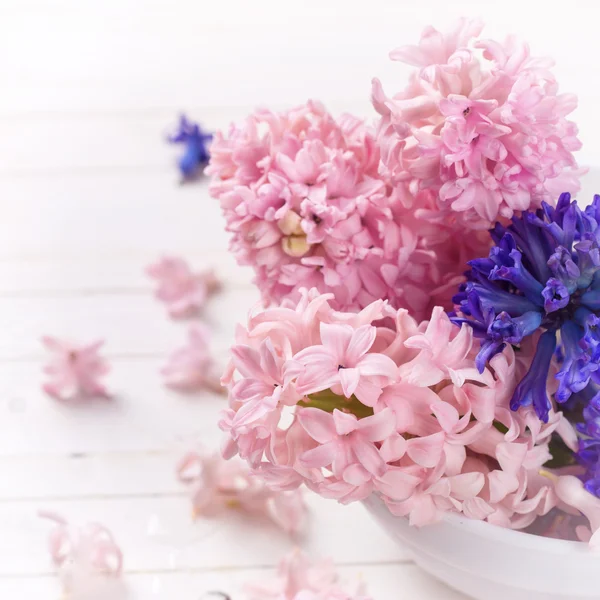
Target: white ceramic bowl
{"x":491,"y":563}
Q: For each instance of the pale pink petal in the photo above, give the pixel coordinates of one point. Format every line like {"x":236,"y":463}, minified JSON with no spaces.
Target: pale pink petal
{"x":378,"y":364}
{"x":321,"y":456}
{"x":318,"y":424}
{"x":336,"y":339}
{"x":349,"y":379}
{"x":426,"y":451}
{"x":446,"y":415}
{"x":345,"y":423}
{"x":397,"y":484}
{"x":393,"y":448}
{"x":379,"y":427}
{"x":356,"y":475}
{"x":367,"y":392}
{"x":361,"y":341}
{"x":369,"y":457}
{"x":467,"y":485}
{"x":247,"y":361}
{"x":424,"y":512}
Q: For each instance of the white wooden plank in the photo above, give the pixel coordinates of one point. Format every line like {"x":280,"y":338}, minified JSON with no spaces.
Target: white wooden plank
{"x":106,"y":274}
{"x":91,"y":476}
{"x":143,"y":416}
{"x":132,"y":324}
{"x":158,"y":534}
{"x":119,"y":212}
{"x":384,"y":582}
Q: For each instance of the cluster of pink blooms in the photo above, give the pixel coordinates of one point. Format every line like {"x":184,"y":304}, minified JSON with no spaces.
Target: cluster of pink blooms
{"x":300,"y":579}
{"x":348,"y":407}
{"x":216,"y":484}
{"x":304,"y":201}
{"x":481,"y":124}
{"x":88,"y":559}
{"x":479,"y":132}
{"x":75,"y":370}
{"x":183,"y":291}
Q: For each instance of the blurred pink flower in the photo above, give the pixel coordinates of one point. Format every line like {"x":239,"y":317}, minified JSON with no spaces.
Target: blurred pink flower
{"x":191,"y":367}
{"x":481,"y":124}
{"x":74,"y":370}
{"x":182,"y":290}
{"x":217,"y":484}
{"x":88,"y":559}
{"x":298,"y":578}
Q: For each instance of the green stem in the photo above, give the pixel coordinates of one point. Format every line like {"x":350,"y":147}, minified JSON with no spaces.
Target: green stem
{"x":328,"y":401}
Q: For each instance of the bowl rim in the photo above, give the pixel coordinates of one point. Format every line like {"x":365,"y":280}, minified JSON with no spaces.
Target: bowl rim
{"x":515,"y":537}
{"x":495,"y":533}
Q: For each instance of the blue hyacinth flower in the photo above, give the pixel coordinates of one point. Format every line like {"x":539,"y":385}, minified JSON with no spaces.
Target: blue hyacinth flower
{"x":543,"y":273}
{"x":196,"y":143}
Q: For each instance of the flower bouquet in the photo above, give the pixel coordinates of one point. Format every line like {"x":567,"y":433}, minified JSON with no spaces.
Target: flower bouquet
{"x":429,"y":337}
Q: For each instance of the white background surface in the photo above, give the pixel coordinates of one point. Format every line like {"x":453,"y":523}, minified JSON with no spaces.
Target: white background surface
{"x":89,"y":196}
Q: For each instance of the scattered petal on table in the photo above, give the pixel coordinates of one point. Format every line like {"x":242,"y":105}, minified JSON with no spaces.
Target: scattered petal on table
{"x":183,"y":291}
{"x":191,"y":367}
{"x":88,"y":560}
{"x":216,"y":484}
{"x":74,"y":370}
{"x":300,"y":579}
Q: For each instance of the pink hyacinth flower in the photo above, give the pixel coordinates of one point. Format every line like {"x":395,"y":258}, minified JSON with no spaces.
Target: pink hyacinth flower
{"x":191,"y":367}
{"x":182,"y":290}
{"x":88,"y":559}
{"x":216,"y":484}
{"x":342,"y":363}
{"x":307,"y":208}
{"x":74,"y":370}
{"x":480,"y":124}
{"x":430,"y":434}
{"x":347,"y":444}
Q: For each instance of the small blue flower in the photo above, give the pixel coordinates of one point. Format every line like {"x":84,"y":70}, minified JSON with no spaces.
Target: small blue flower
{"x":543,"y":272}
{"x":196,"y":142}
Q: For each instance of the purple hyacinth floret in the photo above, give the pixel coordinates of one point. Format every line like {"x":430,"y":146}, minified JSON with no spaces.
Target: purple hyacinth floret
{"x":196,"y":154}
{"x":543,"y":272}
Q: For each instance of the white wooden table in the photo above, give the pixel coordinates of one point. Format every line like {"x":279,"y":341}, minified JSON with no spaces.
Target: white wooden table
{"x":89,"y":196}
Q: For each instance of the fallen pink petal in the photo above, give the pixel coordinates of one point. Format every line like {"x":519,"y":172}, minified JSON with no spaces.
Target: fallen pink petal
{"x":192,"y":368}
{"x":217,"y":485}
{"x":299,"y":577}
{"x":85,"y":558}
{"x":183,"y":291}
{"x":74,"y":370}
